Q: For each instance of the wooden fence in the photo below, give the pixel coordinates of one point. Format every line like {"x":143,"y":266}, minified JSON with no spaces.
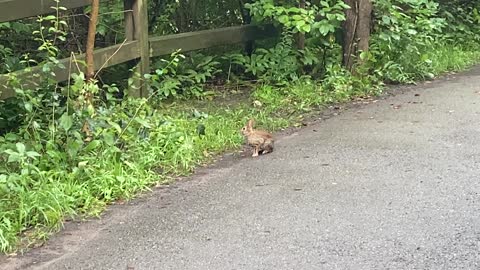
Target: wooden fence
{"x":138,"y":45}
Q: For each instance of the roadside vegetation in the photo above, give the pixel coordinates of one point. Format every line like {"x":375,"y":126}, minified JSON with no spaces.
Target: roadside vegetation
{"x":65,"y":156}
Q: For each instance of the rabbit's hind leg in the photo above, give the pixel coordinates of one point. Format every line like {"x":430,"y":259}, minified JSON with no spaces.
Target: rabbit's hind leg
{"x":267,"y":148}
{"x":256,"y":149}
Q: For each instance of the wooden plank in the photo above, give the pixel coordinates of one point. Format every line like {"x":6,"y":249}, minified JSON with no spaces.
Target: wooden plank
{"x":209,"y":38}
{"x":128,"y":18}
{"x":18,"y":9}
{"x":104,"y":57}
{"x":136,"y":28}
{"x":140,"y":18}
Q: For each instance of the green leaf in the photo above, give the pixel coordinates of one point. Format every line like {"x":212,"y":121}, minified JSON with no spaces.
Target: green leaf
{"x":297,"y":17}
{"x":300,"y":24}
{"x":50,"y":17}
{"x":283,"y":19}
{"x":73,"y":146}
{"x":33,"y":154}
{"x":412,"y":31}
{"x":28,"y":107}
{"x":142,"y":122}
{"x":14,"y":158}
{"x":306,"y":28}
{"x":386,"y":19}
{"x":11,"y":137}
{"x":109,"y":138}
{"x":66,"y":121}
{"x":20,"y":147}
{"x":115,"y":126}
{"x":293,"y":10}
{"x":92,"y":145}
{"x":325,"y":29}
{"x":331,"y":16}
{"x":10,"y":152}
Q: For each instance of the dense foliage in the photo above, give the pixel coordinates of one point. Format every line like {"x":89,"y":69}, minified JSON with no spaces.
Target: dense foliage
{"x":52,"y":169}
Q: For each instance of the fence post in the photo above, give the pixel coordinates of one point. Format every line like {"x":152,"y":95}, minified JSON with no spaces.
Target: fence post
{"x":136,"y":28}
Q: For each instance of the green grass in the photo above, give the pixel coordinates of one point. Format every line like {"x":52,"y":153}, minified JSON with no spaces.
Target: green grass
{"x":449,"y":57}
{"x":75,"y":179}
{"x":431,"y":61}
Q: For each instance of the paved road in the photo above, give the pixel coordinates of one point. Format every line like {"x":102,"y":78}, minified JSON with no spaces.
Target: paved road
{"x":380,"y":186}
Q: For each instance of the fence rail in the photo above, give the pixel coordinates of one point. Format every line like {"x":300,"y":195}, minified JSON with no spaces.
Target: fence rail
{"x":105,"y":57}
{"x":138,"y":45}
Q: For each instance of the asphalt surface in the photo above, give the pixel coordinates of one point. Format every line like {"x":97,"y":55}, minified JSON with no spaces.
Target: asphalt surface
{"x":394,"y":184}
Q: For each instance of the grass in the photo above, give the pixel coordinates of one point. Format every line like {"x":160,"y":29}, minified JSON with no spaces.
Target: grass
{"x":430,"y":62}
{"x":449,"y":57}
{"x":155,"y":143}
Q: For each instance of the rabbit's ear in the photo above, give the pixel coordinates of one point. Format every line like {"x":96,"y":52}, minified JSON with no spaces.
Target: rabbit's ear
{"x":250,"y":123}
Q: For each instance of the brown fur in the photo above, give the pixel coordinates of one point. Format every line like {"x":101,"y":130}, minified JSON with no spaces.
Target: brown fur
{"x":261,"y":141}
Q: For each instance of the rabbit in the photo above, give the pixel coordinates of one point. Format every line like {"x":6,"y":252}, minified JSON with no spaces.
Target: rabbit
{"x":260,"y":140}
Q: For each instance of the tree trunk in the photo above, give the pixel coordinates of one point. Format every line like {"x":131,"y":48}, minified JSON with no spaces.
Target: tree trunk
{"x":246,"y":19}
{"x":301,"y":36}
{"x":88,"y":96}
{"x":157,"y":8}
{"x":356,"y":32}
{"x":92,"y":29}
{"x":182,"y":16}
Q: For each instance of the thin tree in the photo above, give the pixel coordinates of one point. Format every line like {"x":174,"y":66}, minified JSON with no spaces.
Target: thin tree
{"x":301,"y":36}
{"x":356,"y":30}
{"x":92,"y":30}
{"x":246,"y":19}
{"x":89,"y":76}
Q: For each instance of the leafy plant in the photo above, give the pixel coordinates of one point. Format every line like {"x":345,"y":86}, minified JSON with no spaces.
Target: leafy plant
{"x":171,"y":79}
{"x":319,"y":20}
{"x":277,"y":65}
{"x":405,"y":30}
